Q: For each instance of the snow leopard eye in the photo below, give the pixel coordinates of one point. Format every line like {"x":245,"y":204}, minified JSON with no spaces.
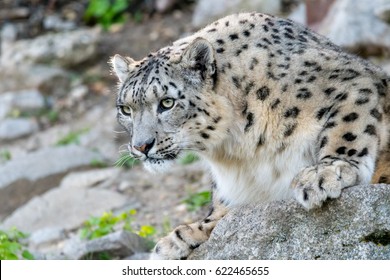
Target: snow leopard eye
{"x":125,"y":110}
{"x":166,"y":104}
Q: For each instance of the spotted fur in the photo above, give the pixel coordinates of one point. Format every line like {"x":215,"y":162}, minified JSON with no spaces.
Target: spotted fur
{"x":275,"y":109}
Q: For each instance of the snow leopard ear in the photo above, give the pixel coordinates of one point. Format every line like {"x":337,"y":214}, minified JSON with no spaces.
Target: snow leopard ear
{"x":122,"y":66}
{"x":199,"y":56}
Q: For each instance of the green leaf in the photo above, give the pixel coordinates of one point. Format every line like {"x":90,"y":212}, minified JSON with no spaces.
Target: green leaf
{"x":97,"y":8}
{"x":197,"y":200}
{"x":72,"y":137}
{"x":96,"y":163}
{"x":188,"y":159}
{"x":104,"y":256}
{"x":5,"y":155}
{"x":10,"y":248}
{"x":119,"y":6}
{"x":147,"y":231}
{"x":84,"y":233}
{"x":106,"y":12}
{"x":27,"y":255}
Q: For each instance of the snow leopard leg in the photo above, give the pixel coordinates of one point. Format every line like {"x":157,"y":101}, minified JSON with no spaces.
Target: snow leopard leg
{"x":347,"y":150}
{"x":185,"y":238}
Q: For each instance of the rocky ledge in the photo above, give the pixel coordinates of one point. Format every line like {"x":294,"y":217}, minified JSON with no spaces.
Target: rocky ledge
{"x":355,"y":226}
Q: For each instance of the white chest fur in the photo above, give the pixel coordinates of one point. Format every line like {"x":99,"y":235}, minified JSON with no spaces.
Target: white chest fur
{"x":264,"y":177}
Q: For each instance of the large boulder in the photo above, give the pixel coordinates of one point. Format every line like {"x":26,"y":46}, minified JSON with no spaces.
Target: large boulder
{"x":14,"y":128}
{"x":117,"y":245}
{"x":31,"y":175}
{"x":65,"y":49}
{"x":68,"y":205}
{"x":48,"y":80}
{"x":354,"y":226}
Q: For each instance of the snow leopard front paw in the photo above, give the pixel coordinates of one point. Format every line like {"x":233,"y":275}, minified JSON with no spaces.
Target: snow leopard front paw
{"x":314,"y":184}
{"x":178,"y":244}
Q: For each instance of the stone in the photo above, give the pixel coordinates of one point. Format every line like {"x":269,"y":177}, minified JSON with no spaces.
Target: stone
{"x":383,"y":12}
{"x":33,"y":174}
{"x":85,"y":179}
{"x":23,"y":100}
{"x":355,"y":26}
{"x":9,"y":33}
{"x":77,"y":94}
{"x":28,"y":100}
{"x":386,"y":67}
{"x":118,"y":245}
{"x":48,"y":80}
{"x":207,"y":11}
{"x":5,"y":106}
{"x":354,"y":226}
{"x":299,"y":14}
{"x":65,"y":49}
{"x":101,"y":136}
{"x":14,"y":128}
{"x":163,"y":6}
{"x":45,"y":237}
{"x":139,"y":257}
{"x":54,"y":22}
{"x":63,"y":207}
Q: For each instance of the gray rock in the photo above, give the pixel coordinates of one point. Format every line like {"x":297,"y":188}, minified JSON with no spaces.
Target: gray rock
{"x":5,"y":106}
{"x":64,"y":49}
{"x":354,"y":25}
{"x":77,"y":94}
{"x":54,"y":22}
{"x":355,"y":226}
{"x":28,"y":100}
{"x":49,"y":80}
{"x":386,"y":67}
{"x":16,"y":127}
{"x":163,"y":6}
{"x":23,"y":178}
{"x":139,"y":257}
{"x":299,"y":14}
{"x":207,"y":11}
{"x":383,"y":12}
{"x":85,"y":179}
{"x":9,"y":33}
{"x":23,"y":100}
{"x":45,"y":237}
{"x":63,"y":207}
{"x":118,"y":245}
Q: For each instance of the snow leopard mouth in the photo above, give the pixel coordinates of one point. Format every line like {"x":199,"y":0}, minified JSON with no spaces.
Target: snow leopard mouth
{"x":166,"y":157}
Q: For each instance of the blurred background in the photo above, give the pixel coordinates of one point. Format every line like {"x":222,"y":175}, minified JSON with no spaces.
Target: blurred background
{"x":68,"y":189}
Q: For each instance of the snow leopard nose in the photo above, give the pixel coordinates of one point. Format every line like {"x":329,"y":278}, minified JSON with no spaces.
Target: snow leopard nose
{"x":145,"y":147}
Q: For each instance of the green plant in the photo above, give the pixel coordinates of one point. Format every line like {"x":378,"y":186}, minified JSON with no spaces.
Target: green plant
{"x":106,"y":12}
{"x":166,"y":226}
{"x":72,"y":137}
{"x":126,"y":161}
{"x":188,"y":158}
{"x":10,"y":246}
{"x":5,"y":155}
{"x":197,"y":200}
{"x":96,"y":227}
{"x":97,"y":163}
{"x":52,"y":115}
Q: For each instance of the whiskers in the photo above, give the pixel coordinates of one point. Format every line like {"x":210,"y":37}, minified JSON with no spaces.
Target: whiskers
{"x":126,"y":160}
{"x":124,"y":149}
{"x":119,"y":132}
{"x":189,"y":146}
